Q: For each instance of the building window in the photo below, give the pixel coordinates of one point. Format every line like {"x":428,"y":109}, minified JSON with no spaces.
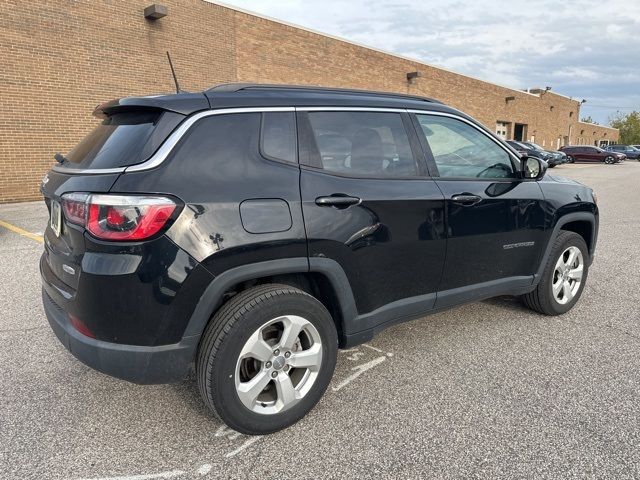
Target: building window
{"x":502,"y":129}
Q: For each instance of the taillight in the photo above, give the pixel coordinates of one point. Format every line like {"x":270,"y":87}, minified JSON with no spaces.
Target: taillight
{"x":119,"y":217}
{"x":75,"y":207}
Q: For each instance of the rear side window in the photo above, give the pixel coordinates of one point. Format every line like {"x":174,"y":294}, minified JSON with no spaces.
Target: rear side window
{"x":368,"y":144}
{"x":123,"y":139}
{"x":224,"y":144}
{"x":278,"y":136}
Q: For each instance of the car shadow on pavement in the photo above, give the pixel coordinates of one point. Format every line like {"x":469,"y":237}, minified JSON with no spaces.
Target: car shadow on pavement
{"x":510,"y":303}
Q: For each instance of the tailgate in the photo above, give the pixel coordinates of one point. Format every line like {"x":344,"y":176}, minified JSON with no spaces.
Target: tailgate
{"x":64,"y":249}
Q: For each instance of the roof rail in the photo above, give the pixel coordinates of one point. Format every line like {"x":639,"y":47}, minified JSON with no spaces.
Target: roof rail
{"x":236,"y":87}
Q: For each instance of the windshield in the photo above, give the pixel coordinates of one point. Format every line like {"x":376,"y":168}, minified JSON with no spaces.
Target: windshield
{"x":123,"y":139}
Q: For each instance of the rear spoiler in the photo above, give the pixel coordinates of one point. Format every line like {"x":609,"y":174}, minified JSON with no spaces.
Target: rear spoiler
{"x":183,"y":103}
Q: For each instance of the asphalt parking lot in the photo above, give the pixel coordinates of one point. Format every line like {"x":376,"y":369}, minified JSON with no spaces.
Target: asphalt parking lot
{"x":486,"y":390}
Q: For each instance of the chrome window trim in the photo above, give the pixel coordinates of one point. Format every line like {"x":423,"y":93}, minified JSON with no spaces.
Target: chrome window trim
{"x":169,"y":144}
{"x":172,"y":140}
{"x":351,"y":109}
{"x":86,"y":171}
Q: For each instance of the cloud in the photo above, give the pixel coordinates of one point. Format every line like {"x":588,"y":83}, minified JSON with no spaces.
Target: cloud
{"x":577,"y":46}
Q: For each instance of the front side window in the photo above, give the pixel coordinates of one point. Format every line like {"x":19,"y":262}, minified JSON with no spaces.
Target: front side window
{"x":367,"y":144}
{"x":460,"y":150}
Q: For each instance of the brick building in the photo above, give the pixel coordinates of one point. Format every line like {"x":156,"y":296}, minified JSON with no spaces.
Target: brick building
{"x":60,"y":58}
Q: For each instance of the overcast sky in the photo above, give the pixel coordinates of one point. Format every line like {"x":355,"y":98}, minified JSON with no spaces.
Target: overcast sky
{"x":581,"y":48}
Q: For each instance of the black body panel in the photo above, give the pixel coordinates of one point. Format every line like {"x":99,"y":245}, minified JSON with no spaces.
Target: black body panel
{"x":214,"y":169}
{"x":391,"y":246}
{"x":501,"y":236}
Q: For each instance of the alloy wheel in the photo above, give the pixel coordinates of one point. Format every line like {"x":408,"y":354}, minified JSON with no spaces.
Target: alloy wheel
{"x":567,"y":275}
{"x":278,"y":364}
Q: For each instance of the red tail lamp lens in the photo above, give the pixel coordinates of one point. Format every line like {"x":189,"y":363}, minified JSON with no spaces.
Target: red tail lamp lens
{"x":118,"y":217}
{"x":128,"y":218}
{"x":75,"y":207}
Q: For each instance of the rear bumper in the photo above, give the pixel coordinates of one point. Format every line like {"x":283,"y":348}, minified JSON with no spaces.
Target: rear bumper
{"x":138,"y":364}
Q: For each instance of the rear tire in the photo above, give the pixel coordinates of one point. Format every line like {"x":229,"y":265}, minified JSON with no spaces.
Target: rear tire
{"x":242,"y":372}
{"x":608,"y":160}
{"x":563,"y":278}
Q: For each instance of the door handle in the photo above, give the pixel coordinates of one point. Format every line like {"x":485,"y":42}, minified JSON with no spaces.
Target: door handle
{"x":466,"y":199}
{"x":338,"y":201}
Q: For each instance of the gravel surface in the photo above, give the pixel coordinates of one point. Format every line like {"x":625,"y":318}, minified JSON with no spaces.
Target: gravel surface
{"x":488,"y":390}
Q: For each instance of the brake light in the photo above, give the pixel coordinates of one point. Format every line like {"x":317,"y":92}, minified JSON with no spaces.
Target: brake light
{"x":75,"y":207}
{"x":119,"y":217}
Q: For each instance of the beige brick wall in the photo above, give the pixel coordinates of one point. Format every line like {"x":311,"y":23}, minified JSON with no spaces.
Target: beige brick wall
{"x":61,"y":58}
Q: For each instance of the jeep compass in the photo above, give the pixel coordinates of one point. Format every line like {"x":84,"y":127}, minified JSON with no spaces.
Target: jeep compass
{"x":249,"y":231}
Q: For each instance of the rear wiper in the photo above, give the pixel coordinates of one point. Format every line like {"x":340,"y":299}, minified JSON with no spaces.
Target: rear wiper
{"x":60,"y":158}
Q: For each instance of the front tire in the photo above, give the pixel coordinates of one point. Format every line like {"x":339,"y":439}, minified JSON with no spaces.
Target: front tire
{"x":266,"y":358}
{"x":608,"y":160}
{"x":563,"y":278}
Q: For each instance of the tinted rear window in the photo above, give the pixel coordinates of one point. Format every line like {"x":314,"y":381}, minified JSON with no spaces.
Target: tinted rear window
{"x":361,"y":143}
{"x":123,"y":139}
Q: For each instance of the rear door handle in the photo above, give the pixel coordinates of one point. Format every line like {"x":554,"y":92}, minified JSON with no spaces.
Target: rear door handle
{"x":466,"y":199}
{"x":338,"y":201}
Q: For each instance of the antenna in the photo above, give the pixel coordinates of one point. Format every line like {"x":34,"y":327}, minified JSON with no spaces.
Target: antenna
{"x":173,"y":72}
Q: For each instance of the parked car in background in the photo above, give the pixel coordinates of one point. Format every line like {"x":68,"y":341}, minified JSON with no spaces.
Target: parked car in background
{"x":636,"y":146}
{"x":523,"y":148}
{"x":629,"y":150}
{"x":586,"y":153}
{"x":559,"y":157}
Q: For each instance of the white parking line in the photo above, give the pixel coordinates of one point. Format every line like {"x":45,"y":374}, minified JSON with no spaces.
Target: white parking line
{"x":359,"y":370}
{"x":246,"y":444}
{"x":224,"y":431}
{"x":150,"y":476}
{"x":371,"y":347}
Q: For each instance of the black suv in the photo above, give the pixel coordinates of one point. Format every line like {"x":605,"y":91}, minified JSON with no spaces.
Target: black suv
{"x":528,"y":149}
{"x":253,"y":230}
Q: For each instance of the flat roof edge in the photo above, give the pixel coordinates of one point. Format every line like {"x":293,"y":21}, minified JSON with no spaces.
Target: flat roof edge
{"x":361,"y":45}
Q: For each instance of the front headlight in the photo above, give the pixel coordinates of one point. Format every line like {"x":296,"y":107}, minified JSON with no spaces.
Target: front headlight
{"x":595,"y":197}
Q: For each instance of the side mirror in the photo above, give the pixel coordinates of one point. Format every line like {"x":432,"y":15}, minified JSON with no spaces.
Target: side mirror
{"x":533,"y":168}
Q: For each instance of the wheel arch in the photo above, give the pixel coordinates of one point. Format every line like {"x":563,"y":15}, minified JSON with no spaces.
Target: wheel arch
{"x":323,"y":278}
{"x":584,"y":224}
